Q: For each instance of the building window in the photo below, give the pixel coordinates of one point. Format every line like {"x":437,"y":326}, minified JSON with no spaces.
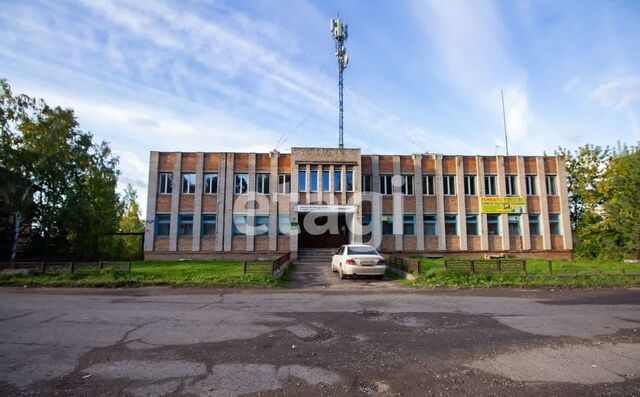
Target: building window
{"x":490,"y":188}
{"x":534,"y":224}
{"x":314,"y":181}
{"x":470,"y":185}
{"x":262,"y":183}
{"x":366,"y":227}
{"x":185,"y":225}
{"x":325,"y":181}
{"x":430,"y":224}
{"x":241,"y":183}
{"x":428,"y":185}
{"x":493,"y":225}
{"x":239,"y":225}
{"x":387,"y":225}
{"x":163,"y":224}
{"x":284,"y":183}
{"x":386,"y":186}
{"x":472,"y":225}
{"x":514,"y":225}
{"x":531,"y":185}
{"x":407,"y":185}
{"x":302,"y":181}
{"x":166,"y":183}
{"x":261,"y":224}
{"x":449,"y":185}
{"x":210,"y":183}
{"x":554,"y":225}
{"x":349,"y":181}
{"x":209,"y":222}
{"x":188,"y":183}
{"x":366,"y":183}
{"x":337,"y":181}
{"x":552,"y":188}
{"x":511,"y":185}
{"x":409,"y":225}
{"x":451,"y":225}
{"x":284,"y":225}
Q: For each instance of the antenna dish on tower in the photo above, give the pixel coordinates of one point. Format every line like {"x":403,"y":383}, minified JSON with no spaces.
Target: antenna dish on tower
{"x":340,"y":32}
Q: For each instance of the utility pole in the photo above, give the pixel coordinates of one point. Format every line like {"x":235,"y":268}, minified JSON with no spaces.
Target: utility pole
{"x":504,"y":119}
{"x":339,"y":32}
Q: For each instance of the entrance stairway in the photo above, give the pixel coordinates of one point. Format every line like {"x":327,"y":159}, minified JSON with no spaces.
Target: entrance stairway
{"x":315,"y":255}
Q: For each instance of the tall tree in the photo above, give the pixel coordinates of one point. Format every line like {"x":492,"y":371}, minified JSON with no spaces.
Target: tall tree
{"x":622,"y":206}
{"x":54,"y":172}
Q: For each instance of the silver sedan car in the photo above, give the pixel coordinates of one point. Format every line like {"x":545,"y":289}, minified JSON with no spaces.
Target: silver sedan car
{"x":358,"y":259}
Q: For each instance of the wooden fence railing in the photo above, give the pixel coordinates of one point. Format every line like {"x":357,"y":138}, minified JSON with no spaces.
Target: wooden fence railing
{"x":43,"y":267}
{"x":276,"y":267}
{"x":486,"y":265}
{"x":408,"y":265}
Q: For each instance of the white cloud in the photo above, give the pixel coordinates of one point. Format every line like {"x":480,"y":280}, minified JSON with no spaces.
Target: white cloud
{"x":619,"y":94}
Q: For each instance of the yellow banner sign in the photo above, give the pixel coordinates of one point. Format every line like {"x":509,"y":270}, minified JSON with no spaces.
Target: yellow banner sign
{"x":503,"y":205}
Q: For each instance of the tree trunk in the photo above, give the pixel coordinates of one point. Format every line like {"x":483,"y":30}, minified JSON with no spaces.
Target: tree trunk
{"x":17,"y":222}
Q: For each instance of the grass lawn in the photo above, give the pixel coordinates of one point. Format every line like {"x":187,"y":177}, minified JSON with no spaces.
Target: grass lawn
{"x":433,"y":274}
{"x":175,"y":273}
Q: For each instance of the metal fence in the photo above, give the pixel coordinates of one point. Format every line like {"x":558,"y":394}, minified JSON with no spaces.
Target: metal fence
{"x":486,"y":265}
{"x":43,"y":267}
{"x":276,"y":267}
{"x":408,"y":265}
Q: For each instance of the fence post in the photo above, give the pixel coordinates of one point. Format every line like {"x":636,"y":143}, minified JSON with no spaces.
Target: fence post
{"x":622,"y":270}
{"x":472,"y":267}
{"x":129,"y":267}
{"x":244,"y":268}
{"x":550,"y":263}
{"x":498,"y":265}
{"x":42,"y":267}
{"x":72,"y":267}
{"x":15,"y":265}
{"x":100,"y":265}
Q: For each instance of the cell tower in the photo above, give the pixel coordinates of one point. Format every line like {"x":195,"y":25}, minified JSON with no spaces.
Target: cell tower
{"x":340,"y":33}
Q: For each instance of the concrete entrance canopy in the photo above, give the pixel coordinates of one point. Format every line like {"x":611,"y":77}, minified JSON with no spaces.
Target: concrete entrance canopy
{"x":325,"y":208}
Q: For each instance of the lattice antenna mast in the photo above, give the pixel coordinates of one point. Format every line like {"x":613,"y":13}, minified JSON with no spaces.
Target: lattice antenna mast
{"x":340,"y":33}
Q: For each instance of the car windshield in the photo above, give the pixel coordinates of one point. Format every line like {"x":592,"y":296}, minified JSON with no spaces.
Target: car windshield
{"x":362,"y":251}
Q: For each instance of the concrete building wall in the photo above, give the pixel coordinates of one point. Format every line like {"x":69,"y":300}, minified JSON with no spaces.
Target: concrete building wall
{"x":225,"y":203}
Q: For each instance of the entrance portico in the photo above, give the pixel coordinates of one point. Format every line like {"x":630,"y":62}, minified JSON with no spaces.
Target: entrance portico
{"x":325,"y":226}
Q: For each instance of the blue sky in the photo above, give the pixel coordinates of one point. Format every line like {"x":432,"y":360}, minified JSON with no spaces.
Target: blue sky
{"x":424,"y":76}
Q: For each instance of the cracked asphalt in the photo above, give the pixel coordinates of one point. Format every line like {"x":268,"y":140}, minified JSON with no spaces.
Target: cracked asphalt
{"x":213,"y":342}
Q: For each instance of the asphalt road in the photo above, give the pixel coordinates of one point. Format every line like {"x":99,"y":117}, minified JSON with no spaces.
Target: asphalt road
{"x":208,"y":342}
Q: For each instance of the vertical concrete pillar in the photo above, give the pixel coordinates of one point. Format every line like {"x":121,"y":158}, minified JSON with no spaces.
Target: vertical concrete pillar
{"x":442,"y":240}
{"x":319,"y":182}
{"x":417,"y":178}
{"x":544,"y":205}
{"x":229,"y":204}
{"x":307,"y":177}
{"x":175,"y":202}
{"x":356,"y":199}
{"x":524,"y":218}
{"x":502,"y":192}
{"x":397,"y":204}
{"x":220,"y":201}
{"x":273,"y":202}
{"x":251,"y":202}
{"x":293,"y":201}
{"x":564,"y":204}
{"x":197,"y":202}
{"x":462,"y":207}
{"x":332,"y":192}
{"x":376,"y":202}
{"x":484,"y":235}
{"x":152,"y":194}
{"x":343,"y":184}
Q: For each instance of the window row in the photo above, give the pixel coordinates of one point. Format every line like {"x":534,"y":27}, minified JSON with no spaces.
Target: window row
{"x":406,"y":186}
{"x":209,"y":225}
{"x":210,"y":183}
{"x":325,"y":183}
{"x":430,"y":224}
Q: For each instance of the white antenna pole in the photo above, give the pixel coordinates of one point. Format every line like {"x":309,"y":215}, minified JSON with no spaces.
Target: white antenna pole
{"x":504,"y":119}
{"x":340,"y":34}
